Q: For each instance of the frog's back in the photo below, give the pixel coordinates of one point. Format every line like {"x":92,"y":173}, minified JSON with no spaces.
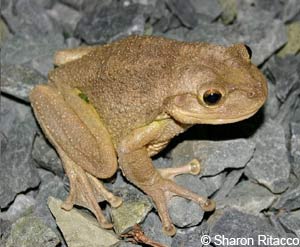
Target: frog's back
{"x":126,"y":81}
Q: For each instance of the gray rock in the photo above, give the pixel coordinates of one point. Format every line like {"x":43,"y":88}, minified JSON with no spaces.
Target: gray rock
{"x":38,"y":52}
{"x":289,"y":200}
{"x":47,"y":4}
{"x":18,"y":173}
{"x":152,"y":228}
{"x":30,"y":231}
{"x":50,"y":186}
{"x":231,"y":179}
{"x":261,"y":32}
{"x":249,"y":198}
{"x":127,"y":244}
{"x":5,"y":228}
{"x":270,"y":165}
{"x":291,"y":222}
{"x":211,"y":9}
{"x":66,"y":16}
{"x":184,"y":212}
{"x":213,"y":183}
{"x":288,"y":111}
{"x":107,"y":23}
{"x":90,"y":234}
{"x":295,"y":148}
{"x":286,"y":74}
{"x":215,"y":156}
{"x":72,"y":42}
{"x":248,"y":8}
{"x":84,"y":4}
{"x":185,"y":11}
{"x":232,"y":223}
{"x":46,"y":157}
{"x":21,"y":204}
{"x":272,"y":105}
{"x":29,"y":20}
{"x":19,"y":80}
{"x":290,"y":10}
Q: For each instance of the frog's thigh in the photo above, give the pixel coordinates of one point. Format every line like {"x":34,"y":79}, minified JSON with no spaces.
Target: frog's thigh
{"x":78,"y":131}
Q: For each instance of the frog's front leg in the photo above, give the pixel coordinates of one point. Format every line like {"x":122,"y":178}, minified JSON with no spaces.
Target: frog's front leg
{"x":137,"y":166}
{"x":74,"y":128}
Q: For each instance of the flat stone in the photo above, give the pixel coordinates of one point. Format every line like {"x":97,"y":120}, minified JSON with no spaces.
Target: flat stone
{"x":18,"y":173}
{"x":213,"y":183}
{"x":29,"y":231}
{"x":230,"y":181}
{"x":291,"y":221}
{"x":270,"y":165}
{"x":152,"y":228}
{"x":38,"y":52}
{"x":79,"y":228}
{"x":5,"y":228}
{"x":59,"y":12}
{"x":83,"y":4}
{"x":292,"y":46}
{"x":51,"y":185}
{"x":286,"y":75}
{"x":272,"y":8}
{"x":46,"y":157}
{"x":249,"y":198}
{"x":185,"y":11}
{"x":295,"y":147}
{"x":211,"y":9}
{"x":18,"y":80}
{"x":289,"y":200}
{"x":29,"y":20}
{"x":215,"y":156}
{"x":290,"y":10}
{"x":272,"y":105}
{"x":129,"y":214}
{"x":21,"y":205}
{"x":110,"y":22}
{"x":184,"y":212}
{"x":232,"y":223}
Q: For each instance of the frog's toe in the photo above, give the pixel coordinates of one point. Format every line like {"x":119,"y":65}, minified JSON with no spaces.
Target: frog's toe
{"x":208,"y":206}
{"x":193,"y":168}
{"x":169,"y":230}
{"x":162,"y":192}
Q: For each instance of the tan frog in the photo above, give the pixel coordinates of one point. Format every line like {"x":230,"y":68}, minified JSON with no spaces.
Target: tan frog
{"x":123,"y":102}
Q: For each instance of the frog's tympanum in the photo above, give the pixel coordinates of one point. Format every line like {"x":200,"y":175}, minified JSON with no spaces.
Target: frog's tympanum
{"x":122,"y":103}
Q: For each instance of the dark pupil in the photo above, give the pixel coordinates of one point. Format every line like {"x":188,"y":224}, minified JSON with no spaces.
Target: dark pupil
{"x":212,"y":97}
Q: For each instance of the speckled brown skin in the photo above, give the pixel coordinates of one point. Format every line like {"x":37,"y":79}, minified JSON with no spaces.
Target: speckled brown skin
{"x":142,"y":91}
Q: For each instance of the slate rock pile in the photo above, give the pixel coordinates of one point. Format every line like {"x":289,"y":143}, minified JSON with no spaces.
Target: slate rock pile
{"x":251,"y":169}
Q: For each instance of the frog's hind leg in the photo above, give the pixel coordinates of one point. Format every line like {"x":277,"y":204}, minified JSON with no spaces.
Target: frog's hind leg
{"x":83,"y":145}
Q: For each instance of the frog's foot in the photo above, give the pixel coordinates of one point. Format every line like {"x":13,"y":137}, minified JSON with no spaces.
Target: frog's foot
{"x":193,"y":168}
{"x":161,"y":193}
{"x":87,"y":191}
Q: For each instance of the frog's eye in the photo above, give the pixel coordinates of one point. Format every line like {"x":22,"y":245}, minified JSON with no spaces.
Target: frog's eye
{"x":212,"y":97}
{"x":249,"y":51}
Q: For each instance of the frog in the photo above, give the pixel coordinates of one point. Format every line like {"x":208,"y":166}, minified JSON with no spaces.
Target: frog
{"x":115,"y":106}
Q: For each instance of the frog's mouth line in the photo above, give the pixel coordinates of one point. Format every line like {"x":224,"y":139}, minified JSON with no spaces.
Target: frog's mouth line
{"x":195,"y":118}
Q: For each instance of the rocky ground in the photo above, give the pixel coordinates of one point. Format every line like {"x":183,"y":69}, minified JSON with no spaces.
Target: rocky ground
{"x":251,"y":169}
